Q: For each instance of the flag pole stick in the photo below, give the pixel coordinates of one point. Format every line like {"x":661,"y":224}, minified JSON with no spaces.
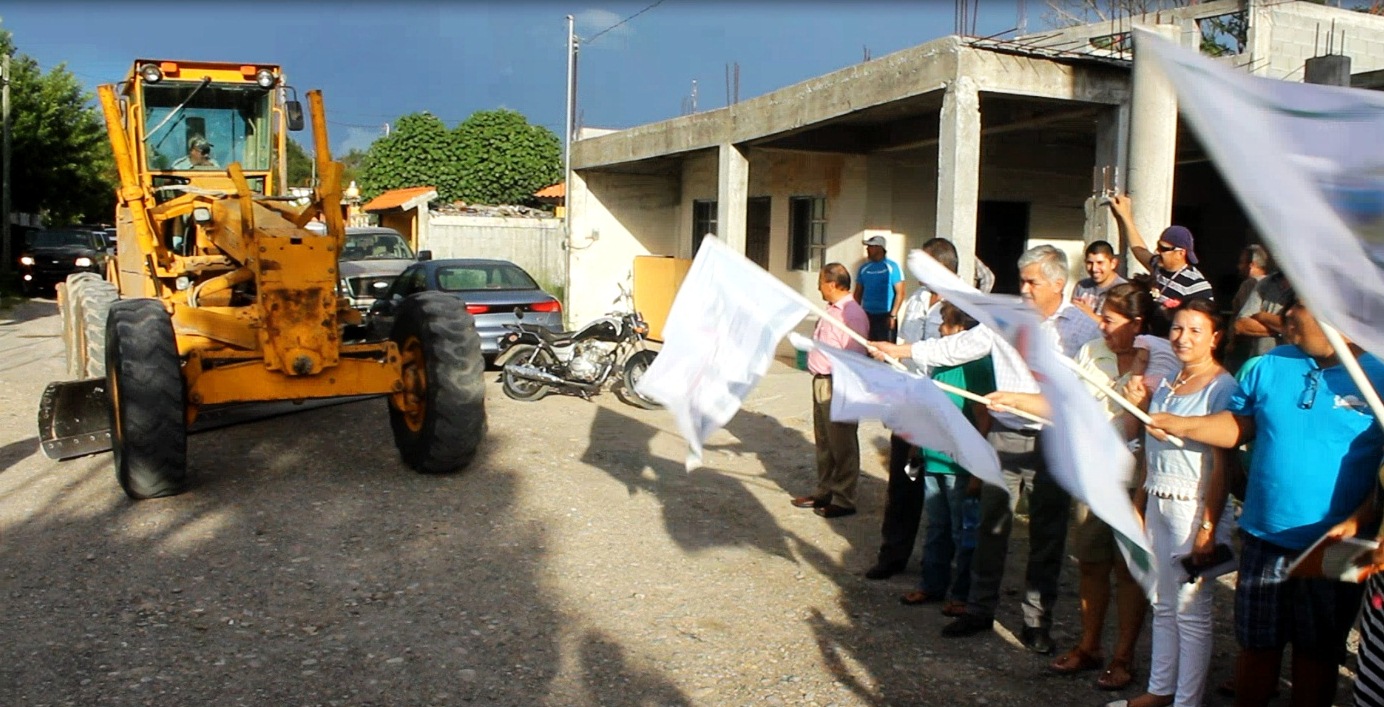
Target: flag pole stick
{"x":1357,"y":374}
{"x":1120,"y":400}
{"x":968,"y":395}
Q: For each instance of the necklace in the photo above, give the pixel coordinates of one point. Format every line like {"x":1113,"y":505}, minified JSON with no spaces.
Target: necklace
{"x":1188,"y":374}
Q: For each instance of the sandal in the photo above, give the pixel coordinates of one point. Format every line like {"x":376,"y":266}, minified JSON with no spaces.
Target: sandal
{"x":1076,"y":661}
{"x":1116,"y":675}
{"x":954,"y":608}
{"x":916,"y":598}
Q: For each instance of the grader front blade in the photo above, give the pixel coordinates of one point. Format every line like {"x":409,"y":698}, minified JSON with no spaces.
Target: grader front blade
{"x":74,"y":418}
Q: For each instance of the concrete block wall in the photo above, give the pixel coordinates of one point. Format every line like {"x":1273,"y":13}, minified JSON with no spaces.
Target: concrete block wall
{"x":616,"y":217}
{"x":1298,"y":31}
{"x":533,"y":244}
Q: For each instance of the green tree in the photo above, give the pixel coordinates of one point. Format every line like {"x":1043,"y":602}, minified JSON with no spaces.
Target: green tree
{"x":299,"y":165}
{"x":61,"y":164}
{"x":504,"y":159}
{"x":419,"y":152}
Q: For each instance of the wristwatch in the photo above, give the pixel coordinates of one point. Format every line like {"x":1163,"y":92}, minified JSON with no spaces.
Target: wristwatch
{"x":1208,"y":525}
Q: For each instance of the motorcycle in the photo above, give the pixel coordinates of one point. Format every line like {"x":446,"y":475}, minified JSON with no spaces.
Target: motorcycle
{"x":538,"y":362}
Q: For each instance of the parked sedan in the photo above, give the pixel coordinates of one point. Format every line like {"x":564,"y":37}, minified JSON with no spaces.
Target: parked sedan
{"x":495,"y":293}
{"x":370,"y":260}
{"x":49,"y":256}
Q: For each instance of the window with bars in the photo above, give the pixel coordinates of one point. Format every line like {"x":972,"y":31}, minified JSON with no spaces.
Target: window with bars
{"x":807,"y":228}
{"x":703,"y":221}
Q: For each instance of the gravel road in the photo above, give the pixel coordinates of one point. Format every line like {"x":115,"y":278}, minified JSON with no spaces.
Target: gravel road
{"x":575,"y":563}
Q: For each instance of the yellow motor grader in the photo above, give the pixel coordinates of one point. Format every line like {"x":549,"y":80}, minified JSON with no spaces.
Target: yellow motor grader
{"x":219,"y":295}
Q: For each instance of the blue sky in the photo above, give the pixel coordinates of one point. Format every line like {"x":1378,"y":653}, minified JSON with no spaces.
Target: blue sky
{"x":376,"y":61}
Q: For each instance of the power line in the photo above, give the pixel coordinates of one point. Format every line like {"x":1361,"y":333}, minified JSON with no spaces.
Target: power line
{"x":595,"y":36}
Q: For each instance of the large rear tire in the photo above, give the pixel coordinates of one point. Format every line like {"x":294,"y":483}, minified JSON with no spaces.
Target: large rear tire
{"x":635,"y":366}
{"x":147,"y":404}
{"x":520,"y":388}
{"x":439,"y":417}
{"x":96,"y":300}
{"x":73,"y":338}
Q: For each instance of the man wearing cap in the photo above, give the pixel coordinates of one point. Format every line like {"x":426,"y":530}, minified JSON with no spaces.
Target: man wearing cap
{"x":879,"y":290}
{"x":198,"y":155}
{"x":1175,"y":277}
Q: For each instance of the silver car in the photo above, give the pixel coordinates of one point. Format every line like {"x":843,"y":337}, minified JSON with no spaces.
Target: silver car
{"x":370,"y":261}
{"x":496,"y":292}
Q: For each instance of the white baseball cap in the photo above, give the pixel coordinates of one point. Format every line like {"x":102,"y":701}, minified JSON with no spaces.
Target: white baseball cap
{"x":875,"y":240}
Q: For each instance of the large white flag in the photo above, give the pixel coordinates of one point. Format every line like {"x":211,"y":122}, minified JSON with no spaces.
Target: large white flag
{"x":910,"y":405}
{"x":1307,"y":164}
{"x":1084,"y":453}
{"x":723,"y":327}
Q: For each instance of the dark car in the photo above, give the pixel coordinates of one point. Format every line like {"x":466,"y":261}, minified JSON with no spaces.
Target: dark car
{"x":50,"y":255}
{"x":370,"y":260}
{"x":493,"y":290}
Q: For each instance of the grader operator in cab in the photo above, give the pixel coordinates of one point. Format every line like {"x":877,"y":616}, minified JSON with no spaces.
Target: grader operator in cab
{"x":219,"y":295}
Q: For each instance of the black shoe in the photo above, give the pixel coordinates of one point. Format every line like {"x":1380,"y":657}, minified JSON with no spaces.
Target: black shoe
{"x":810,"y":502}
{"x":832,"y":510}
{"x":1037,"y":640}
{"x":883,"y":570}
{"x":968,"y":625}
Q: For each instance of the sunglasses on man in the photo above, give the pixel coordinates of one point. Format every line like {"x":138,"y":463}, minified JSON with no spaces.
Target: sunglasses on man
{"x":1163,"y":247}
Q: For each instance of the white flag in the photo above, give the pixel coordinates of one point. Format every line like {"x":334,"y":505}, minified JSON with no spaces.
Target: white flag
{"x":1084,"y":453}
{"x":723,"y":327}
{"x":910,"y":405}
{"x":1307,"y":164}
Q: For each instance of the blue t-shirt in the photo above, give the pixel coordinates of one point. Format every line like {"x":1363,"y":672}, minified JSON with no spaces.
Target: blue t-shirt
{"x":877,"y":279}
{"x":1311,"y":465}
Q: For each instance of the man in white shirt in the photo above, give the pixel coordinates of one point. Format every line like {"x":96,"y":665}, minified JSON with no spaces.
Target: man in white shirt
{"x":919,"y":320}
{"x":1043,"y":276}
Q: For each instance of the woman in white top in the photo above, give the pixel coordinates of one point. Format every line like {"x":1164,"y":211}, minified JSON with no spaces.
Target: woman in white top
{"x":1184,"y":500}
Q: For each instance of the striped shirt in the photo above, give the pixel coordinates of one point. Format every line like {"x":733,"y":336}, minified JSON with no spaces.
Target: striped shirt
{"x":1172,"y":287}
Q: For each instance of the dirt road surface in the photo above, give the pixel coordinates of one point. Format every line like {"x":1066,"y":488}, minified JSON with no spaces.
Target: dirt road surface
{"x":575,"y":563}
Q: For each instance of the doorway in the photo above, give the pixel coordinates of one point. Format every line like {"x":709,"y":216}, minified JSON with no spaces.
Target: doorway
{"x":1001,"y":237}
{"x":757,"y":230}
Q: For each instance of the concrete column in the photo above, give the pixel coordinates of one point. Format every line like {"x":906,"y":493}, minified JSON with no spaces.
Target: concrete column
{"x":1152,"y":148}
{"x":1112,"y":137}
{"x":1330,"y":70}
{"x":732,"y":192}
{"x":958,"y":170}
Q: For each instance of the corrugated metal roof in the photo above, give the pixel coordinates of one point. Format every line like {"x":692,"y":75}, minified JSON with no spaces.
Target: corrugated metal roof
{"x":396,"y":198}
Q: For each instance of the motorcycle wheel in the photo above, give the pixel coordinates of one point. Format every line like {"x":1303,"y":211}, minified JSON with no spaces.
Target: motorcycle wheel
{"x":635,"y":366}
{"x":521,"y":388}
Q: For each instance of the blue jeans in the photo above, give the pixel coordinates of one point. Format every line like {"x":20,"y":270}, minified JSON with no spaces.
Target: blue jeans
{"x":952,"y":519}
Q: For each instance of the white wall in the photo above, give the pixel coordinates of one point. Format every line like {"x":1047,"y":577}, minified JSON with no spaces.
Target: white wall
{"x":1298,"y":31}
{"x":534,"y":244}
{"x":616,"y":217}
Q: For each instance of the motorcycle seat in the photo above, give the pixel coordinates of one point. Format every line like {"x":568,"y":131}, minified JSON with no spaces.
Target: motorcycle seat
{"x":556,"y":340}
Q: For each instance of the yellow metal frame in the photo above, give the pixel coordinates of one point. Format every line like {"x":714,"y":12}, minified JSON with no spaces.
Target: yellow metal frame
{"x":284,"y":342}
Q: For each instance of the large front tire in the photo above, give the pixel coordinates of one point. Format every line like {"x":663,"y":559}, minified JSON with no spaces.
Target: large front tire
{"x":97,"y":296}
{"x":635,"y":366}
{"x":147,"y":405}
{"x":523,"y":389}
{"x":73,"y":337}
{"x":439,"y":417}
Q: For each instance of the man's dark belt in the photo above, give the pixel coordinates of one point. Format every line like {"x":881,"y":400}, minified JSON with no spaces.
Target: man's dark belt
{"x":820,"y":375}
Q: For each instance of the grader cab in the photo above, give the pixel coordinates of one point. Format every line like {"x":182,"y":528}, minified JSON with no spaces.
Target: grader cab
{"x":219,"y":295}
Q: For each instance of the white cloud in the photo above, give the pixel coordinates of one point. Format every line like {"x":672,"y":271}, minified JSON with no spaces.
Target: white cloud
{"x":358,"y":139}
{"x":590,"y":22}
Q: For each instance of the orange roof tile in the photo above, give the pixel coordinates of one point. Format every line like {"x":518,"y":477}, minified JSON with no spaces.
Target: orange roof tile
{"x":395,"y":198}
{"x":556,"y":191}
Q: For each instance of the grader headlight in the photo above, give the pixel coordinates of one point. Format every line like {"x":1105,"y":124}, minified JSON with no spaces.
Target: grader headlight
{"x":266,"y":78}
{"x":151,"y":73}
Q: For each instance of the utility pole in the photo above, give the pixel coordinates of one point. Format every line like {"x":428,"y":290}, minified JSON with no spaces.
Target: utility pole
{"x":570,"y":111}
{"x":7,"y":265}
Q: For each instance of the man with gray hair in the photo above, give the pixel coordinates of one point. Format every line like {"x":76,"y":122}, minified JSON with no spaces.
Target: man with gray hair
{"x":1043,"y":277}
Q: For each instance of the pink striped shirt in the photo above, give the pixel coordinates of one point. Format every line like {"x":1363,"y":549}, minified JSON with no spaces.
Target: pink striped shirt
{"x":849,"y":311}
